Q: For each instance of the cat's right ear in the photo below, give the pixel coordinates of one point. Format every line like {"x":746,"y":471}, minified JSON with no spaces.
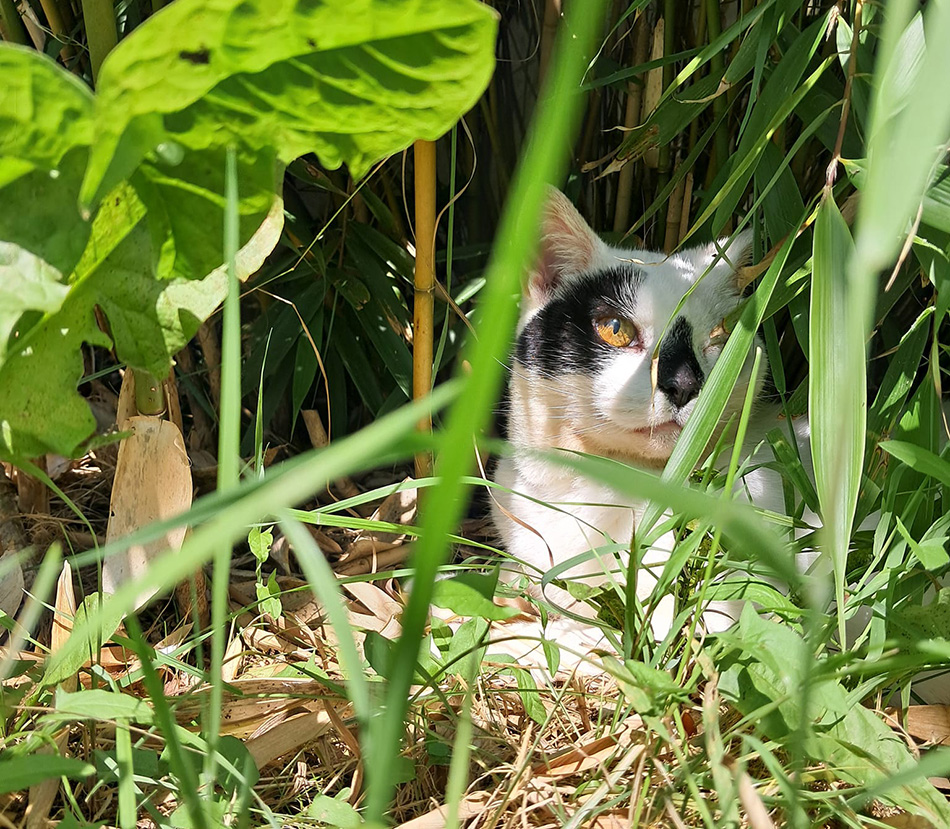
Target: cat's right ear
{"x":568,"y":247}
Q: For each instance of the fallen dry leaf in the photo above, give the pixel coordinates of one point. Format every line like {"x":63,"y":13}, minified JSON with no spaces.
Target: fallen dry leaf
{"x":42,"y":795}
{"x":152,"y":483}
{"x":64,"y":609}
{"x":469,"y":806}
{"x":930,"y":723}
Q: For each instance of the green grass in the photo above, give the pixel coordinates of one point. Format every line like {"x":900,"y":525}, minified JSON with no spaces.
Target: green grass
{"x":774,"y":717}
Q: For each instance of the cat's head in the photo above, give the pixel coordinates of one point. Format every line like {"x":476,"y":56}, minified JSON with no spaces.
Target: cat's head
{"x":591,"y":319}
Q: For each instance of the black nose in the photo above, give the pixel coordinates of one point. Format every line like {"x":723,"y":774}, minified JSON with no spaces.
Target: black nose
{"x":681,"y":386}
{"x":679,"y":375}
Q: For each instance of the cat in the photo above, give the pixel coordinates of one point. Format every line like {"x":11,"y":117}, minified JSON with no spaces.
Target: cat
{"x":582,"y":379}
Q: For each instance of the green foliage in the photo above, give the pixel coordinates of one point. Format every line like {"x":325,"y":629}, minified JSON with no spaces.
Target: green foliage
{"x":752,"y":117}
{"x":767,"y":678}
{"x":19,"y":773}
{"x":272,"y":82}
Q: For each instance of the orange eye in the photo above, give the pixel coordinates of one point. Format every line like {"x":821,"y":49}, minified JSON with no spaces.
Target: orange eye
{"x":617,"y":332}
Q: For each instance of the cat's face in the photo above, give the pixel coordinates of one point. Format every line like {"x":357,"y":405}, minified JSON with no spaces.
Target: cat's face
{"x":592,"y":319}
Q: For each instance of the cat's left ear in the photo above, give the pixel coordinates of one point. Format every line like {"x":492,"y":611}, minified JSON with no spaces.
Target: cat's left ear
{"x":721,"y":260}
{"x":568,"y":248}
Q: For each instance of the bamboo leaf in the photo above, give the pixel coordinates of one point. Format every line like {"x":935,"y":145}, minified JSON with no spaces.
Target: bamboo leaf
{"x":837,"y":388}
{"x":910,"y":127}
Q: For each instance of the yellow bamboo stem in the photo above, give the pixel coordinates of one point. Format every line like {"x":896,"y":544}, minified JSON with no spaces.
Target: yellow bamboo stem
{"x":673,"y":218}
{"x":61,"y":22}
{"x":422,"y":324}
{"x":552,"y":14}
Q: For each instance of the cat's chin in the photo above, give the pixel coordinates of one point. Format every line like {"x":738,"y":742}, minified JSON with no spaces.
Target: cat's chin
{"x":671,"y":429}
{"x":642,"y":445}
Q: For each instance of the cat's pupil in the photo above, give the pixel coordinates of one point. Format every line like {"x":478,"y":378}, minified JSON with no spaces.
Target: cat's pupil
{"x":616,"y":326}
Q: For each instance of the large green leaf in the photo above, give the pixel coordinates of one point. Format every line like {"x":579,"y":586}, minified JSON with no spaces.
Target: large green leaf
{"x":149,"y":320}
{"x":19,"y":773}
{"x":45,"y":133}
{"x":44,"y":111}
{"x":352,"y":80}
{"x":27,"y":283}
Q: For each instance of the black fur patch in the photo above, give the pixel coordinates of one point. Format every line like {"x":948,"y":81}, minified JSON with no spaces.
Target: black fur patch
{"x":560,"y":338}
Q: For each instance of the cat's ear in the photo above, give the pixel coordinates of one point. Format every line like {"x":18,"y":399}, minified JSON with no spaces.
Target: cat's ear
{"x":722,"y":260}
{"x":568,"y":247}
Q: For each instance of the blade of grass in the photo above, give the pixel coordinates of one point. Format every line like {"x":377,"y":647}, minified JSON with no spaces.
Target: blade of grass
{"x":228,"y":461}
{"x":126,"y":770}
{"x":544,"y":159}
{"x":908,"y":135}
{"x":718,"y":388}
{"x":180,"y":763}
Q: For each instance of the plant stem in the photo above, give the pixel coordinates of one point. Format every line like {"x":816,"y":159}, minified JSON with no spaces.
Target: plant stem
{"x":61,"y":22}
{"x":422,"y":326}
{"x":11,"y":26}
{"x":717,"y":65}
{"x":101,"y":34}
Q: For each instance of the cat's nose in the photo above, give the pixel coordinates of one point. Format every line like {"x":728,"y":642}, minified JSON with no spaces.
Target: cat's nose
{"x":679,"y":375}
{"x":680,"y":385}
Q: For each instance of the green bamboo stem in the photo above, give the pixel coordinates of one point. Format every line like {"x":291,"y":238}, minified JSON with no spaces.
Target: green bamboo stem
{"x":716,"y":63}
{"x":149,"y":394}
{"x":101,"y":33}
{"x":11,"y":26}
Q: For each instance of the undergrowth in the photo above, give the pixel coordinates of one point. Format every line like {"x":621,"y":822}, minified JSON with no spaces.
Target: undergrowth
{"x":317,"y":688}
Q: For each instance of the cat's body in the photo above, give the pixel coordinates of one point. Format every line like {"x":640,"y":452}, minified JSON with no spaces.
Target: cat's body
{"x":582,"y":381}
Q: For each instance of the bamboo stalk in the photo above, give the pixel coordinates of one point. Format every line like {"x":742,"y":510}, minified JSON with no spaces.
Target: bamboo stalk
{"x":716,"y":64}
{"x":422,"y":325}
{"x":687,"y":199}
{"x":665,"y":156}
{"x":61,"y":22}
{"x":654,"y":88}
{"x":673,"y":217}
{"x":631,"y":119}
{"x":101,"y":34}
{"x":11,"y":26}
{"x":552,"y":13}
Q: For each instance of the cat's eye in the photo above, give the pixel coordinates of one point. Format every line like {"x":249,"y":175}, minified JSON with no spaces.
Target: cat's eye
{"x":617,"y":332}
